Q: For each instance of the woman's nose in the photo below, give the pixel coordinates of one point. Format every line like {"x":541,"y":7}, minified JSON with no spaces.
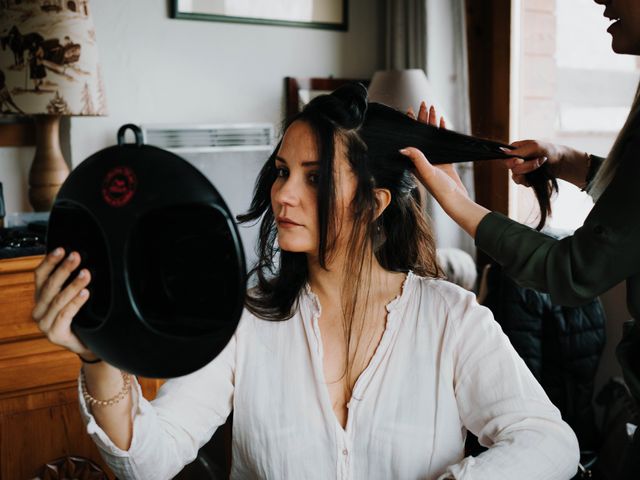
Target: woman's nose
{"x":287,"y":194}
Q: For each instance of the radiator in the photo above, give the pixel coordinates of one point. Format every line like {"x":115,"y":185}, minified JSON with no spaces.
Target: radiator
{"x":230,"y":156}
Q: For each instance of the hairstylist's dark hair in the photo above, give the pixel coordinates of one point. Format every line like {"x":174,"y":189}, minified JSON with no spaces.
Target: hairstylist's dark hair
{"x":400,"y":238}
{"x":543,"y":184}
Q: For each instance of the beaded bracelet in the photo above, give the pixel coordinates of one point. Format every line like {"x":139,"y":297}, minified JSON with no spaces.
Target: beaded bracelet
{"x":113,"y":400}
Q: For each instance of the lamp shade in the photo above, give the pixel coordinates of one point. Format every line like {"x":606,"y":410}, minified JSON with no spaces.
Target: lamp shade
{"x":49,"y":59}
{"x":402,"y":89}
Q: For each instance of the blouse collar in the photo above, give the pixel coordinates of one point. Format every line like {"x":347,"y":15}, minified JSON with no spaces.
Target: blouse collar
{"x":396,"y":304}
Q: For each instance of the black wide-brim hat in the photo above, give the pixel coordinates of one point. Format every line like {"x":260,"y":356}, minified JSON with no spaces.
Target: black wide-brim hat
{"x":168,"y":274}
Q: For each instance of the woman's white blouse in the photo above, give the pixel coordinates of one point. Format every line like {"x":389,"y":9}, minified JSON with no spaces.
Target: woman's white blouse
{"x":443,"y":366}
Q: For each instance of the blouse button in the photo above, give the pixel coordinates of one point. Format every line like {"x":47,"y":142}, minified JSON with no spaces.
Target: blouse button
{"x":345,"y":452}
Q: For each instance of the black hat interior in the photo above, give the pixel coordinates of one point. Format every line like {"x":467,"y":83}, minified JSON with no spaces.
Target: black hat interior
{"x":166,"y":261}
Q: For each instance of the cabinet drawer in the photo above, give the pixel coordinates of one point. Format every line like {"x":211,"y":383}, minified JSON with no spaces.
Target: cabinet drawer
{"x":16,"y":298}
{"x":37,"y":372}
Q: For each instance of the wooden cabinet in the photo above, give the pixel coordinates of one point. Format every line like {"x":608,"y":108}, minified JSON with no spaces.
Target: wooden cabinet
{"x":39,"y":413}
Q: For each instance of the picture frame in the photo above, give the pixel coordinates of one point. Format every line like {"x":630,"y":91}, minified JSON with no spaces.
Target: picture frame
{"x":323,"y":14}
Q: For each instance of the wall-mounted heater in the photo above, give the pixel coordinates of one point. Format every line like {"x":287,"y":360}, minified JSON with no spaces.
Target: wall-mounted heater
{"x":230,"y":156}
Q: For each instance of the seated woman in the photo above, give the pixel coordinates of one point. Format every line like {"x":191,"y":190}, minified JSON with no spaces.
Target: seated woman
{"x":352,"y":359}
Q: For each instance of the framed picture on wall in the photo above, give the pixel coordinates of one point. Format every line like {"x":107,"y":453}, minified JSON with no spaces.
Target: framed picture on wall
{"x":327,"y":14}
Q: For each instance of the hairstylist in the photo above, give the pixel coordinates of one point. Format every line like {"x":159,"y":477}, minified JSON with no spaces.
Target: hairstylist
{"x":601,"y":253}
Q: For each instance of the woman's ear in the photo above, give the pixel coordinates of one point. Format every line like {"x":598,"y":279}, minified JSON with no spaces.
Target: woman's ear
{"x":383,"y":199}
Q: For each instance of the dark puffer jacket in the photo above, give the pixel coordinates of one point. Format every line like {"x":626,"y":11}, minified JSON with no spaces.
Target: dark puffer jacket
{"x":561,"y":345}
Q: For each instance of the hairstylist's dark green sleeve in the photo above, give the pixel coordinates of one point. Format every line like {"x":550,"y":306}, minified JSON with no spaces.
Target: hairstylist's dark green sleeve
{"x":600,"y":254}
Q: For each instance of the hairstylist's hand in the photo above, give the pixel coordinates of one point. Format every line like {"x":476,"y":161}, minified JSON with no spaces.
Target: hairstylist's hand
{"x":562,"y":162}
{"x":430,"y":116}
{"x":444,"y":184}
{"x":55,"y":306}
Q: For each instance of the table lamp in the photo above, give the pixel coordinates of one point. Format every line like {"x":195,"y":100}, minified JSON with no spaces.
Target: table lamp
{"x":48,"y":69}
{"x":402,"y":89}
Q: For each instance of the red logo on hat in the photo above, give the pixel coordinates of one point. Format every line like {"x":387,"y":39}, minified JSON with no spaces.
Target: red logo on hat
{"x":119,"y":186}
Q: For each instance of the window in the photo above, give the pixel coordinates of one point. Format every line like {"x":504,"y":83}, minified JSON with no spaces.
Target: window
{"x":568,"y":88}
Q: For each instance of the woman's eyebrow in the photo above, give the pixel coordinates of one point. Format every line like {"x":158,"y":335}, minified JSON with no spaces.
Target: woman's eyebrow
{"x":304,"y":164}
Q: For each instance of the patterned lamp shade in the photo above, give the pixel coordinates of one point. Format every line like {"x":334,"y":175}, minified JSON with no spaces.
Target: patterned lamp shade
{"x":49,"y":59}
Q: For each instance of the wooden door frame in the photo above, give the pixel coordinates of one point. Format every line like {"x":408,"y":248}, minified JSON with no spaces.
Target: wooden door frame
{"x":489,"y":53}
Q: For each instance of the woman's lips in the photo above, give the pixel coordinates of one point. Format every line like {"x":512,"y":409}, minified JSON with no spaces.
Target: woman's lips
{"x":613,"y":25}
{"x":286,"y":223}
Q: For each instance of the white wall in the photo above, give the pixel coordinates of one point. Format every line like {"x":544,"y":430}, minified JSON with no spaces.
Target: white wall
{"x":158,"y":69}
{"x":14,"y":175}
{"x":448,"y":75}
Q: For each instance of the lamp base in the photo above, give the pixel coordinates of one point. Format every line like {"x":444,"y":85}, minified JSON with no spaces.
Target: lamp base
{"x":48,"y":170}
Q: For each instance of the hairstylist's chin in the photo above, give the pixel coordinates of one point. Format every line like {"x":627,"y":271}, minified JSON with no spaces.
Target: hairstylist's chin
{"x":623,"y":40}
{"x":623,"y":48}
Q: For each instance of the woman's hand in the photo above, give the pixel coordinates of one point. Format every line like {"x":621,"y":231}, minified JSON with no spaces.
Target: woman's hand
{"x":429,"y":116}
{"x":444,"y":184}
{"x":563,"y":162}
{"x":55,"y":306}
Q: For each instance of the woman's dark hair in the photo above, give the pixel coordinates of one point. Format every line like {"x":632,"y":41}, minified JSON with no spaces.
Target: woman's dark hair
{"x":543,"y":184}
{"x":400,"y":238}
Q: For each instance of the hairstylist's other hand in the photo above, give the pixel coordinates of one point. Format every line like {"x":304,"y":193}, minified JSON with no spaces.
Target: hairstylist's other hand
{"x":430,"y":116}
{"x":55,"y":306}
{"x":534,"y":154}
{"x":444,"y":184}
{"x":562,"y":162}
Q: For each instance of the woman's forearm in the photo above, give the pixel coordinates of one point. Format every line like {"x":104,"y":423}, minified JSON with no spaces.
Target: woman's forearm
{"x":464,"y":211}
{"x":573,"y":166}
{"x":104,"y":382}
{"x":446,"y":187}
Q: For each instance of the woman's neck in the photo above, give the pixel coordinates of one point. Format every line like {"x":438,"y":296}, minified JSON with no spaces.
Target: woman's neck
{"x":330,"y":282}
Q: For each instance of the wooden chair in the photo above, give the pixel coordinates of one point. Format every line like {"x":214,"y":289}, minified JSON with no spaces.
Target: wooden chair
{"x":71,"y":467}
{"x":295,"y":88}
